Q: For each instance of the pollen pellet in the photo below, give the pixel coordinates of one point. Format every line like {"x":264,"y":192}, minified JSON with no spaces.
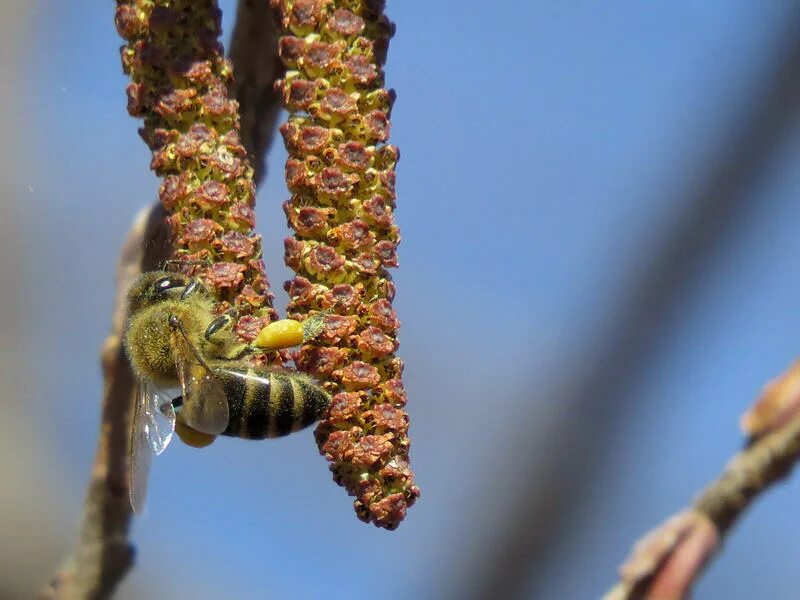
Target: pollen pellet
{"x":192,"y":437}
{"x":280,"y":334}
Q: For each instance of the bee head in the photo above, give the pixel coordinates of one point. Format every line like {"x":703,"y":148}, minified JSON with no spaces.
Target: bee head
{"x":155,"y":286}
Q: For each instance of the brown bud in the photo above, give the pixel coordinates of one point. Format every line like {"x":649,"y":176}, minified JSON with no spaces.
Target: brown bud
{"x":290,"y":49}
{"x":250,"y":296}
{"x":338,"y":327}
{"x":374,"y":342}
{"x":301,"y":93}
{"x":359,"y":375}
{"x":354,"y":155}
{"x":320,"y":55}
{"x":382,"y":315}
{"x":225,"y":275}
{"x":779,"y":402}
{"x":379,"y":211}
{"x":174,"y":190}
{"x":216,"y":103}
{"x":324,"y":259}
{"x":321,"y":361}
{"x":333,"y":181}
{"x":345,"y":22}
{"x":344,"y":296}
{"x":344,"y":405}
{"x":361,"y":69}
{"x":367,"y":263}
{"x":212,"y":193}
{"x":137,"y":100}
{"x":389,"y":511}
{"x":377,"y":124}
{"x":388,"y":418}
{"x":386,"y":253}
{"x":293,"y":252}
{"x":339,"y":446}
{"x":309,"y":220}
{"x":669,"y":558}
{"x":394,"y":392}
{"x":173,"y":102}
{"x":199,"y":231}
{"x":236,"y":244}
{"x":372,"y":448}
{"x":244,"y":215}
{"x":128,"y":23}
{"x":248,"y":327}
{"x":338,"y":102}
{"x":305,"y":13}
{"x":313,"y":139}
{"x":300,"y":290}
{"x":196,"y":72}
{"x":296,"y":176}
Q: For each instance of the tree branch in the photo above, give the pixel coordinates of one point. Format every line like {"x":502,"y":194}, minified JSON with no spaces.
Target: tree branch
{"x":256,"y":67}
{"x":667,"y":561}
{"x":592,"y":403}
{"x":105,"y":554}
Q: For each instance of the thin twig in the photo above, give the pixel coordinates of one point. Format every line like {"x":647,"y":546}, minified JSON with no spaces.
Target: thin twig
{"x":256,"y":67}
{"x":667,"y":561}
{"x":105,"y":554}
{"x":592,"y":404}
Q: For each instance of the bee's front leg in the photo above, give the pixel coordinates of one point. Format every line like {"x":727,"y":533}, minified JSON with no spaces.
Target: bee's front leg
{"x":194,"y":286}
{"x":224,"y":342}
{"x":218,"y":331}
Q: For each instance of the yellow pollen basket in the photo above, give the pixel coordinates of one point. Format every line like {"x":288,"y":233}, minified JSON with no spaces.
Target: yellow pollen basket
{"x":280,"y":334}
{"x":192,"y":437}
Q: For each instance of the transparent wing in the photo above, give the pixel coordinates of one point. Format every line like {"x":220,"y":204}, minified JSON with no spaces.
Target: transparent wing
{"x":151,"y":433}
{"x":205,"y":407}
{"x":160,"y":418}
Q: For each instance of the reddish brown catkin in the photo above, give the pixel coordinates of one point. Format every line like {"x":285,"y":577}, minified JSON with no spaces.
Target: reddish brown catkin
{"x":341,"y":175}
{"x":180,"y":84}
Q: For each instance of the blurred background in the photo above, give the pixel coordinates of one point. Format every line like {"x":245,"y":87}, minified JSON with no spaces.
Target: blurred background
{"x":599,"y":206}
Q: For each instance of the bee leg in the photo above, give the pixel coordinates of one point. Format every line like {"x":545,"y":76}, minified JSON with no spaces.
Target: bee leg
{"x":218,"y":330}
{"x":182,"y":261}
{"x":193,"y":287}
{"x":218,"y":333}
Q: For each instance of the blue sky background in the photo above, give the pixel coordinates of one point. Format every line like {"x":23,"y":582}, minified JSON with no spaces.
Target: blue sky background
{"x":546,"y":147}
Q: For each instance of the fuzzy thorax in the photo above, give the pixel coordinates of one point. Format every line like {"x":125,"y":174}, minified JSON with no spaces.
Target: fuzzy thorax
{"x":151,"y":343}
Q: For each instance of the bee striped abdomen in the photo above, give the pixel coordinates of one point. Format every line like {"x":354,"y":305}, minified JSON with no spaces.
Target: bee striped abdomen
{"x":256,"y":414}
{"x":266,"y":403}
{"x":282,"y":402}
{"x":316,"y":401}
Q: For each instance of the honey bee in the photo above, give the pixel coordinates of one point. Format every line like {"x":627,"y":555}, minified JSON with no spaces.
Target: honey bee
{"x":192,"y":380}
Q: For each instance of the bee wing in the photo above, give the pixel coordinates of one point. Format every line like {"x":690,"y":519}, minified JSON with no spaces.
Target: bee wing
{"x":205,"y":407}
{"x":151,"y":433}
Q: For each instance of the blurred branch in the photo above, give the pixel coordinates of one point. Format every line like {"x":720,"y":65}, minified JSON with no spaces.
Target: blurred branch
{"x":104,"y":553}
{"x":256,"y":67}
{"x":666,"y":562}
{"x":591,"y":405}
